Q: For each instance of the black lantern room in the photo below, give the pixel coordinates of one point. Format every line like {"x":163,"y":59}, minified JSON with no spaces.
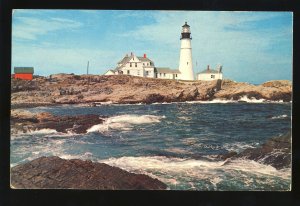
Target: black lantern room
{"x":186,"y":32}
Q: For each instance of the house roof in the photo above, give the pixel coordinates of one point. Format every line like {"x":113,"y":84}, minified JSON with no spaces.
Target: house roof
{"x":110,"y":70}
{"x":209,"y":71}
{"x":127,"y":58}
{"x":166,"y":70}
{"x":124,"y":60}
{"x":22,"y":70}
{"x":144,"y":59}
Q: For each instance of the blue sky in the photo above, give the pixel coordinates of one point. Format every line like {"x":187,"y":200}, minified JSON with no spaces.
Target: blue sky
{"x":253,"y":47}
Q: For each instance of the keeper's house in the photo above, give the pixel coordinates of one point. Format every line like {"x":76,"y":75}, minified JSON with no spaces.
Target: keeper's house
{"x":143,"y":67}
{"x":23,"y":73}
{"x":210,"y":74}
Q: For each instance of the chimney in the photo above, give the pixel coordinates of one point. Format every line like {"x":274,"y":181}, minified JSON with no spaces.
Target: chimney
{"x":145,"y":56}
{"x":220,"y":69}
{"x":207,"y":67}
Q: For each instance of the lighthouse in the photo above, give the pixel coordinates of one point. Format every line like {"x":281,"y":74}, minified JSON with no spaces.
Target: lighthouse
{"x":185,"y":62}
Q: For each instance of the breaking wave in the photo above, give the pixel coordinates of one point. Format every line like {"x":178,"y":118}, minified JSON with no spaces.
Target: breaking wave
{"x":284,"y":116}
{"x":173,"y":171}
{"x":225,"y":101}
{"x":239,"y":146}
{"x":42,"y":131}
{"x":20,"y":134}
{"x":124,"y":122}
{"x":251,"y":100}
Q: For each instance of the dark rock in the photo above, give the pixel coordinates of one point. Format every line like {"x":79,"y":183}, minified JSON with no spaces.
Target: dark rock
{"x":54,"y":172}
{"x":275,"y":152}
{"x":286,"y":97}
{"x":187,"y":95}
{"x":227,"y":155}
{"x":77,"y":124}
{"x":251,"y":94}
{"x":151,"y":98}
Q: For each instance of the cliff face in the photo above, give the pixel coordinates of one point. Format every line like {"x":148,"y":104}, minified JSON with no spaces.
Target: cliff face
{"x":70,"y":89}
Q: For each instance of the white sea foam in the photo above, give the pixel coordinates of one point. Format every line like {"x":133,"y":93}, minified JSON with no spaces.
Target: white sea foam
{"x":124,"y":122}
{"x":284,"y":116}
{"x":45,"y":132}
{"x":258,"y":168}
{"x":84,"y":156}
{"x":104,"y":103}
{"x":251,"y":100}
{"x":20,"y":134}
{"x":241,"y":99}
{"x":214,"y":101}
{"x":184,"y":118}
{"x":42,"y":131}
{"x":170,"y":168}
{"x":239,"y":146}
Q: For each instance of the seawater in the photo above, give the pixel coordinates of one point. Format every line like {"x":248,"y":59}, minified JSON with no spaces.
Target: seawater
{"x":175,"y":143}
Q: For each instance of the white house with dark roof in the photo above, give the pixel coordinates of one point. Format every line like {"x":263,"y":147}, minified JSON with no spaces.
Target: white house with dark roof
{"x":135,"y":66}
{"x":210,"y":74}
{"x":143,"y":67}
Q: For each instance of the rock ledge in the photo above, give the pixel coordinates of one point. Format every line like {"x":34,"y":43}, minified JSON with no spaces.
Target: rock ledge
{"x":56,"y":173}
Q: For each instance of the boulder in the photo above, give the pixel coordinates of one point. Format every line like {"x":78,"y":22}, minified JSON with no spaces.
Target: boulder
{"x":30,"y":122}
{"x":56,"y":173}
{"x":275,"y":152}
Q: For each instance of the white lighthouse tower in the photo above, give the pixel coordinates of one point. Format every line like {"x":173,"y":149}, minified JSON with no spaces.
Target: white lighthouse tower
{"x":185,"y":62}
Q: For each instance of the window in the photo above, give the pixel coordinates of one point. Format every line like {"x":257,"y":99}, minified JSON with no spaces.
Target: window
{"x":164,"y":74}
{"x":147,"y":73}
{"x":143,"y":64}
{"x":130,"y":65}
{"x":128,"y":72}
{"x":212,"y":76}
{"x":135,"y":64}
{"x":138,"y":72}
{"x":175,"y":75}
{"x":160,"y":74}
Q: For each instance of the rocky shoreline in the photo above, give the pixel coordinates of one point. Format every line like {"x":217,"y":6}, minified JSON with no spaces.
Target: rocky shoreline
{"x":123,"y":89}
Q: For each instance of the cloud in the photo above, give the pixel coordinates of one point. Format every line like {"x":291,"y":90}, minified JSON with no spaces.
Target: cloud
{"x":234,"y":39}
{"x":30,"y":28}
{"x":246,"y":43}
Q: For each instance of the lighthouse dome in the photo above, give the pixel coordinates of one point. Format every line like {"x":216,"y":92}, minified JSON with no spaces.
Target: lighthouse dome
{"x":186,"y":32}
{"x":186,"y":28}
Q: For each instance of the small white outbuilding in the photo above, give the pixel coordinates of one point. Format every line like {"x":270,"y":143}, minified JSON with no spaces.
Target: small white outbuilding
{"x":210,"y":74}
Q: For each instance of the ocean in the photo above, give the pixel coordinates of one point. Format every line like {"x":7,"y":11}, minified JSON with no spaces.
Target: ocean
{"x":176,"y":143}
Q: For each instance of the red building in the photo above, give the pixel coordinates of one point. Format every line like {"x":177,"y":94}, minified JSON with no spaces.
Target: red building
{"x":23,"y":73}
